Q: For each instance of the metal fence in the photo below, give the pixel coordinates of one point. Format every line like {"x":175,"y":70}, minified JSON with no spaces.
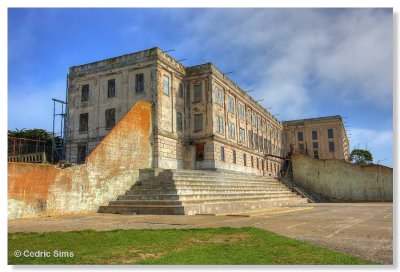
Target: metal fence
{"x":27,"y":150}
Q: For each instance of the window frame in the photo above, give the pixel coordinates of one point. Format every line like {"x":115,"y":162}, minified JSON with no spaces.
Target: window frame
{"x":196,"y":128}
{"x":85,"y":89}
{"x":111,"y":88}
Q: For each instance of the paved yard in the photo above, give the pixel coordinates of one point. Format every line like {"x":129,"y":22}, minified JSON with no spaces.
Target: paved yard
{"x":360,"y":229}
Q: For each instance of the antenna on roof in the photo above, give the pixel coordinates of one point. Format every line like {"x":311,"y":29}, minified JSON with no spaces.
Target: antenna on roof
{"x":205,"y":60}
{"x":182,"y":59}
{"x":259,"y":100}
{"x":250,"y":91}
{"x":169,"y":50}
{"x":229,"y":72}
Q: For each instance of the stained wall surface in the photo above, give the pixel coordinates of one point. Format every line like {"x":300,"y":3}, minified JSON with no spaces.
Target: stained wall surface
{"x":110,"y":169}
{"x":342,"y":181}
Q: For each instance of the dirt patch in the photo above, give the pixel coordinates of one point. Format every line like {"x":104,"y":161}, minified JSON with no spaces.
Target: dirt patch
{"x":137,"y":256}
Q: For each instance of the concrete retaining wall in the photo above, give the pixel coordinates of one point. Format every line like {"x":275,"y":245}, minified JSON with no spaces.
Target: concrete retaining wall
{"x":343,"y":181}
{"x":111,"y":168}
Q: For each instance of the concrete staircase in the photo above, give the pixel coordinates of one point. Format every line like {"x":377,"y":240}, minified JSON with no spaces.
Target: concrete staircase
{"x":193,"y":192}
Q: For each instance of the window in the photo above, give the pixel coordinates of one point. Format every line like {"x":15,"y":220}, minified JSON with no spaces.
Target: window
{"x":265,"y":145}
{"x":111,"y":88}
{"x":331,"y":147}
{"x":110,"y":118}
{"x":232,"y":130}
{"x":314,"y":135}
{"x":241,"y":111}
{"x":255,"y":141}
{"x":180,"y":91}
{"x":83,"y":122}
{"x":179,"y":121}
{"x":250,"y":137}
{"x":219,"y":97}
{"x":166,"y":86}
{"x":81,"y":155}
{"x":197,"y":97}
{"x":249,"y":116}
{"x":242,"y":135}
{"x":244,"y":159}
{"x":330,"y":133}
{"x":315,"y":145}
{"x":220,"y":124}
{"x":252,"y":161}
{"x":222,"y":153}
{"x":198,"y":122}
{"x":231,"y":102}
{"x":254,"y":120}
{"x":300,"y":136}
{"x":85,"y":93}
{"x":234,"y":156}
{"x":260,"y":141}
{"x":316,"y":154}
{"x":301,"y":148}
{"x":262,"y":165}
{"x":258,"y":165}
{"x":139,"y":83}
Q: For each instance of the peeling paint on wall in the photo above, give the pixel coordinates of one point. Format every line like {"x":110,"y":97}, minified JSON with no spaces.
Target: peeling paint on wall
{"x":110,"y":169}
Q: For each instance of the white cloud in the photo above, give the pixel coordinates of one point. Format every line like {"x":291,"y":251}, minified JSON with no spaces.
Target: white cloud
{"x":289,"y":56}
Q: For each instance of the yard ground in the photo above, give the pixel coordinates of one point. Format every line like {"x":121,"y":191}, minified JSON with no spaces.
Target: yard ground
{"x":363,"y":230}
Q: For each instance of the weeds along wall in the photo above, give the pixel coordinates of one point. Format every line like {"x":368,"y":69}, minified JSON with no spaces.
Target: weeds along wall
{"x":111,"y":168}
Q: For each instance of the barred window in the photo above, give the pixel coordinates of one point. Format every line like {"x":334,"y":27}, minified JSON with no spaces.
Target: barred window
{"x":181,"y":91}
{"x":220,"y":124}
{"x":250,"y":138}
{"x":82,"y":151}
{"x":198,"y":122}
{"x":139,"y":84}
{"x":331,"y":147}
{"x":241,"y":111}
{"x":85,"y":93}
{"x":110,"y":118}
{"x":111,"y":88}
{"x":179,"y":121}
{"x":314,"y":135}
{"x":231,"y":102}
{"x":219,"y":97}
{"x":300,"y":136}
{"x":330,"y":133}
{"x":222,"y":153}
{"x":166,"y":86}
{"x":242,"y":135}
{"x":197,"y":97}
{"x":232,"y":131}
{"x":83,"y":122}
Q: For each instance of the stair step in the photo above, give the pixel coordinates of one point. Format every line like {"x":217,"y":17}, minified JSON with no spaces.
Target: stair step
{"x":184,"y":197}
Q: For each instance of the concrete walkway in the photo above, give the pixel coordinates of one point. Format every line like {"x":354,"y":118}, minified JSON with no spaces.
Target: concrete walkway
{"x":364,"y":230}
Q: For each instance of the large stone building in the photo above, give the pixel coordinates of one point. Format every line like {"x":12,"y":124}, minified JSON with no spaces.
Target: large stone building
{"x":319,"y":138}
{"x":201,"y":119}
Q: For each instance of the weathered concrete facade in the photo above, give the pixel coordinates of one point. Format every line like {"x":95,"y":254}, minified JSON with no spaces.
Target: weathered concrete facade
{"x":202,"y":120}
{"x":342,"y":181}
{"x":319,"y":138}
{"x":113,"y":166}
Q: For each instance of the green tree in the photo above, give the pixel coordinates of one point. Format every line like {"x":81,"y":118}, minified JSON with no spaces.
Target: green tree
{"x":361,"y":156}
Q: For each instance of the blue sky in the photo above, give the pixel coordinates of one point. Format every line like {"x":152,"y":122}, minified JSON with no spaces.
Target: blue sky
{"x":302,"y":62}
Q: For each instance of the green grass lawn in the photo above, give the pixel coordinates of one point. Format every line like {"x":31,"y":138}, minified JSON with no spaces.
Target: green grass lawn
{"x":172,"y":246}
